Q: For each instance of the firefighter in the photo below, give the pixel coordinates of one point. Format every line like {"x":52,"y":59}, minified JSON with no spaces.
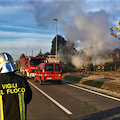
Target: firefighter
{"x":99,"y":67}
{"x":15,"y":92}
{"x":103,"y":67}
{"x":83,"y":68}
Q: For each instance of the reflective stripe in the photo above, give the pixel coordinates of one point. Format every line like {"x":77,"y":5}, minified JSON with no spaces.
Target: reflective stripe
{"x":21,"y":106}
{"x":11,"y":67}
{"x":6,"y":57}
{"x":1,"y":108}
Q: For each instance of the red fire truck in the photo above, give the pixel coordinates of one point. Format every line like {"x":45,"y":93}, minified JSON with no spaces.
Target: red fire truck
{"x":48,"y":72}
{"x":28,"y":65}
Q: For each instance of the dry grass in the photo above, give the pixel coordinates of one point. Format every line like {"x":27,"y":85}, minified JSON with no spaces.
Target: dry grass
{"x":103,"y":80}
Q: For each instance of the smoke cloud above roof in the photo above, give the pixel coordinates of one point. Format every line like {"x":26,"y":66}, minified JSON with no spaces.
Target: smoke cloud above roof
{"x":91,"y":29}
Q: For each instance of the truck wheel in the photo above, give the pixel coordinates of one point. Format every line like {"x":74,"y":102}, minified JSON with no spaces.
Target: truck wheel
{"x":59,"y":82}
{"x":41,"y":83}
{"x":35,"y":79}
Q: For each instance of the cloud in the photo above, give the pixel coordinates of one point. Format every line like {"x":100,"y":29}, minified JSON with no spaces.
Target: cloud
{"x":111,"y":7}
{"x":23,"y":35}
{"x":21,"y":28}
{"x":16,"y":43}
{"x":16,"y":48}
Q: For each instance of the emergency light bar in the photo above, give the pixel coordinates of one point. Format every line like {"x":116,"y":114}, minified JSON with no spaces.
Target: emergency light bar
{"x":50,"y":60}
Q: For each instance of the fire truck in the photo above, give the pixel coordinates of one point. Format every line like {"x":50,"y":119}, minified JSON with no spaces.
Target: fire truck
{"x":50,"y":70}
{"x":28,"y":65}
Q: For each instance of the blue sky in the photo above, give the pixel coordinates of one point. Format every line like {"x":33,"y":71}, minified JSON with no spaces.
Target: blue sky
{"x":30,"y":22}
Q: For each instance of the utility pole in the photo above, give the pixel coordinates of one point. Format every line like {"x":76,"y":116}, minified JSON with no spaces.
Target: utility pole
{"x":28,"y":51}
{"x":32,"y":53}
{"x":56,"y":36}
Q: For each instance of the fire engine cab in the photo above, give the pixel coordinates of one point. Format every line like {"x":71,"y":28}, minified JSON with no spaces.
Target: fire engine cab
{"x":48,"y":72}
{"x":28,"y":65}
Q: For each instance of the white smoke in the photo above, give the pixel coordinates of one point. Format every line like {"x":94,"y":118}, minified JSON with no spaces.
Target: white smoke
{"x":91,"y":29}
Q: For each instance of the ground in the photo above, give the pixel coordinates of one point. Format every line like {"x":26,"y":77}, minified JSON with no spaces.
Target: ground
{"x":98,"y":79}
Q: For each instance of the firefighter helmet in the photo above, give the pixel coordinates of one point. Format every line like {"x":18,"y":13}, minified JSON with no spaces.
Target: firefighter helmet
{"x":6,"y":63}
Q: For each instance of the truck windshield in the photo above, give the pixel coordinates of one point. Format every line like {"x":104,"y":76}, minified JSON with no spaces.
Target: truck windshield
{"x":49,"y":67}
{"x":57,"y":67}
{"x":36,"y":61}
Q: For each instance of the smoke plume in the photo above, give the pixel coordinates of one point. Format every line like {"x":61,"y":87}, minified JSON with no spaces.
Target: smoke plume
{"x":92,"y":29}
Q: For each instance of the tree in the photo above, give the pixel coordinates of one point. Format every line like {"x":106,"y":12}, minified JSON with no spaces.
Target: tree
{"x":46,"y":54}
{"x":22,"y":56}
{"x":60,"y":42}
{"x":40,"y":54}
